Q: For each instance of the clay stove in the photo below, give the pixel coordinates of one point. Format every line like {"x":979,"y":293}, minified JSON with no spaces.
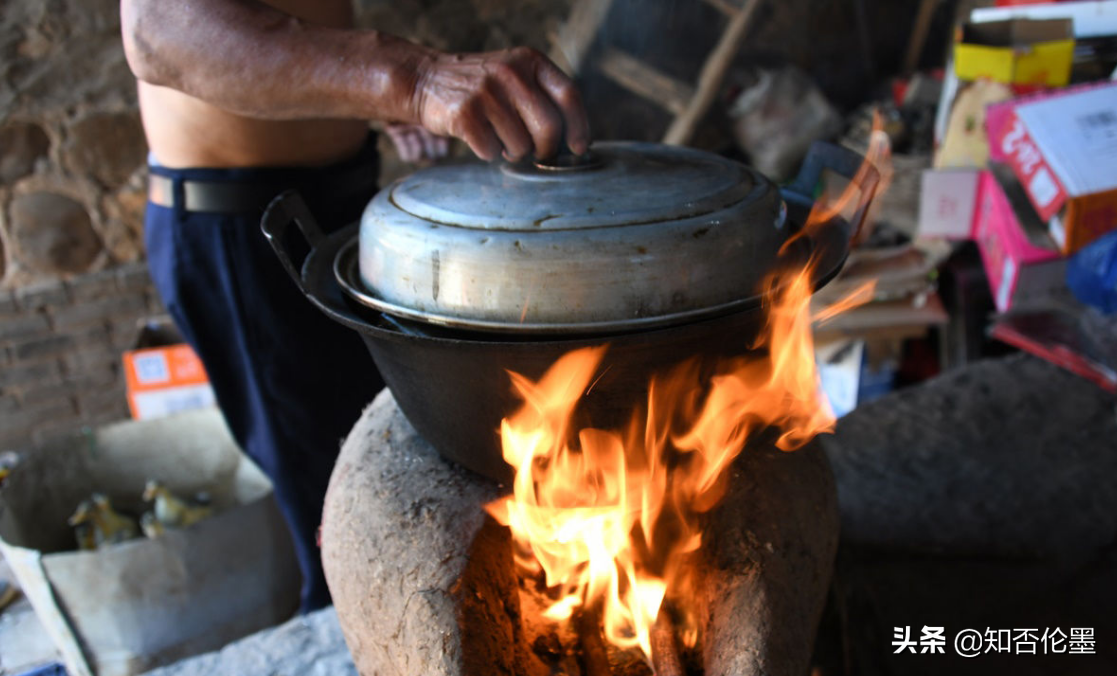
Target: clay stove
{"x":424,"y":581}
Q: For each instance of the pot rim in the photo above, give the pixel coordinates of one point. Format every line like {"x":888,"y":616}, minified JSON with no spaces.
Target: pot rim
{"x":346,"y":270}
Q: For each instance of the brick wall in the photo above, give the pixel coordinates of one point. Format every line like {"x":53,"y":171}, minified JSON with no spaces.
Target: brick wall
{"x":60,"y":347}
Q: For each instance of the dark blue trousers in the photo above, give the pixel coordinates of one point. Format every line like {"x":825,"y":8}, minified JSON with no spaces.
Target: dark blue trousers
{"x":290,"y":382}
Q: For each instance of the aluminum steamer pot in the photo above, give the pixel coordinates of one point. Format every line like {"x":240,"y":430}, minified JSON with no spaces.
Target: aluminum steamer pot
{"x":451,"y":282}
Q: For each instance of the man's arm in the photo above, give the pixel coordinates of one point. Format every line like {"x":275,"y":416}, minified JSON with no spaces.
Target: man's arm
{"x":253,"y":60}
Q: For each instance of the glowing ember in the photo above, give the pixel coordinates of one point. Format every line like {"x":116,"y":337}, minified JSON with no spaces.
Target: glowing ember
{"x":609,"y":516}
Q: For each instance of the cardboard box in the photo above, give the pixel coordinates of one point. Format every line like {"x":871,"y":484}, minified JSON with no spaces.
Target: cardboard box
{"x":1017,"y":269}
{"x":163,"y":374}
{"x":1092,"y":18}
{"x":1016,"y":51}
{"x":946,"y":203}
{"x":135,"y":605}
{"x":998,"y":115}
{"x":1063,"y":150}
{"x":1016,"y":3}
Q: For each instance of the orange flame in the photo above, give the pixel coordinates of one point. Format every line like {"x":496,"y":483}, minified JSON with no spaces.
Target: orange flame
{"x":859,"y":296}
{"x":609,"y":516}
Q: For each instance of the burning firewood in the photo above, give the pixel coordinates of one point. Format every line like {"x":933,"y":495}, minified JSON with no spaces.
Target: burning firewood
{"x":665,"y":651}
{"x":595,"y":660}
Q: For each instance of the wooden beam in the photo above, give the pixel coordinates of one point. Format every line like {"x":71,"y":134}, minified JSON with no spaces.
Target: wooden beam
{"x":726,"y":7}
{"x":574,"y":39}
{"x":919,"y":34}
{"x":683,"y":127}
{"x":645,"y":81}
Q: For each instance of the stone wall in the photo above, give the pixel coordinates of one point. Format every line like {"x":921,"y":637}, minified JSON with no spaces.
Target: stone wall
{"x":71,"y":146}
{"x":72,"y":278}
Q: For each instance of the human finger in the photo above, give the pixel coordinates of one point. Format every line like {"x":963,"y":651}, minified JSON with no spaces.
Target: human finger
{"x":478,"y":133}
{"x":430,"y":144}
{"x":542,"y":120}
{"x":414,"y":146}
{"x":568,"y":99}
{"x":506,"y":122}
{"x":441,"y":146}
{"x":538,"y":114}
{"x":401,"y":141}
{"x":435,"y":146}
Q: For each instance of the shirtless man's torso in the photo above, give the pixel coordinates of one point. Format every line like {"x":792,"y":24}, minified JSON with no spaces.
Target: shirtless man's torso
{"x":183,"y":131}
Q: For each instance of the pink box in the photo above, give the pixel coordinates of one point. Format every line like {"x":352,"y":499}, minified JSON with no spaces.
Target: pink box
{"x":1017,"y":269}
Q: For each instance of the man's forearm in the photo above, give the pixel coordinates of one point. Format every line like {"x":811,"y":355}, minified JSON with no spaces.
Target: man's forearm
{"x":251,"y":59}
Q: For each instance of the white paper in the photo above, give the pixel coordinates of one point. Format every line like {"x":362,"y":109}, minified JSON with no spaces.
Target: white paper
{"x":1077,"y":135}
{"x":839,"y":370}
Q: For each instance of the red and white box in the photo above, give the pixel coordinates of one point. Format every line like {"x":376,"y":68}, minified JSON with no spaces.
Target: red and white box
{"x":999,"y":115}
{"x":1063,"y":150}
{"x":1017,"y":269}
{"x":164,"y":376}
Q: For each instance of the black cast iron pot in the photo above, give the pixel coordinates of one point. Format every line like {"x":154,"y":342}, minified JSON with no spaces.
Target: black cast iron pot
{"x":453,"y":384}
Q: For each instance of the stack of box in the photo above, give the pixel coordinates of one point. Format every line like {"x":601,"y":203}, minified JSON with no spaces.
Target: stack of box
{"x":1027,"y":165}
{"x":1063,"y":150}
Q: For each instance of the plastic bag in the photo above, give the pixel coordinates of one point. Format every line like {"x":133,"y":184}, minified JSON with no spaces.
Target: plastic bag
{"x":1092,"y":273}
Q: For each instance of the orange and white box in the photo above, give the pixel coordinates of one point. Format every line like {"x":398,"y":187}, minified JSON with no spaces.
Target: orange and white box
{"x":1063,"y":149}
{"x":166,"y":380}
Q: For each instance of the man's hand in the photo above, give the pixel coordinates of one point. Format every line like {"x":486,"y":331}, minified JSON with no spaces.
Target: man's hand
{"x":414,"y":143}
{"x":512,"y":102}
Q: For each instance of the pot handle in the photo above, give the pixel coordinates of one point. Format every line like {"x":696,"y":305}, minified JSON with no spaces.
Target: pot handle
{"x":284,"y":210}
{"x":826,"y":156}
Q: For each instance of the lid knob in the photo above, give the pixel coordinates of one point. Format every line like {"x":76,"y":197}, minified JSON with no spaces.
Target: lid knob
{"x":568,"y":161}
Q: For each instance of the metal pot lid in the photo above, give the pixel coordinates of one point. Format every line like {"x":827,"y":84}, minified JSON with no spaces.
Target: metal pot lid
{"x":616,"y":184}
{"x":644,"y":235}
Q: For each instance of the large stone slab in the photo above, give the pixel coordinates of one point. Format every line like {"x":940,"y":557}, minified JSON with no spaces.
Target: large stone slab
{"x":309,"y":645}
{"x":1009,"y":457}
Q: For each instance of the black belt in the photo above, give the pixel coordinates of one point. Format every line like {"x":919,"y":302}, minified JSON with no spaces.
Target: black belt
{"x":233,"y":197}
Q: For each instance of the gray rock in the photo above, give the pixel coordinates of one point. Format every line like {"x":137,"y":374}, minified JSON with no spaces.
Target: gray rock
{"x":769,"y":558}
{"x":22,"y":144}
{"x":52,"y":233}
{"x":309,"y":645}
{"x":123,"y":226}
{"x":107,"y":146}
{"x":1009,"y":457}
